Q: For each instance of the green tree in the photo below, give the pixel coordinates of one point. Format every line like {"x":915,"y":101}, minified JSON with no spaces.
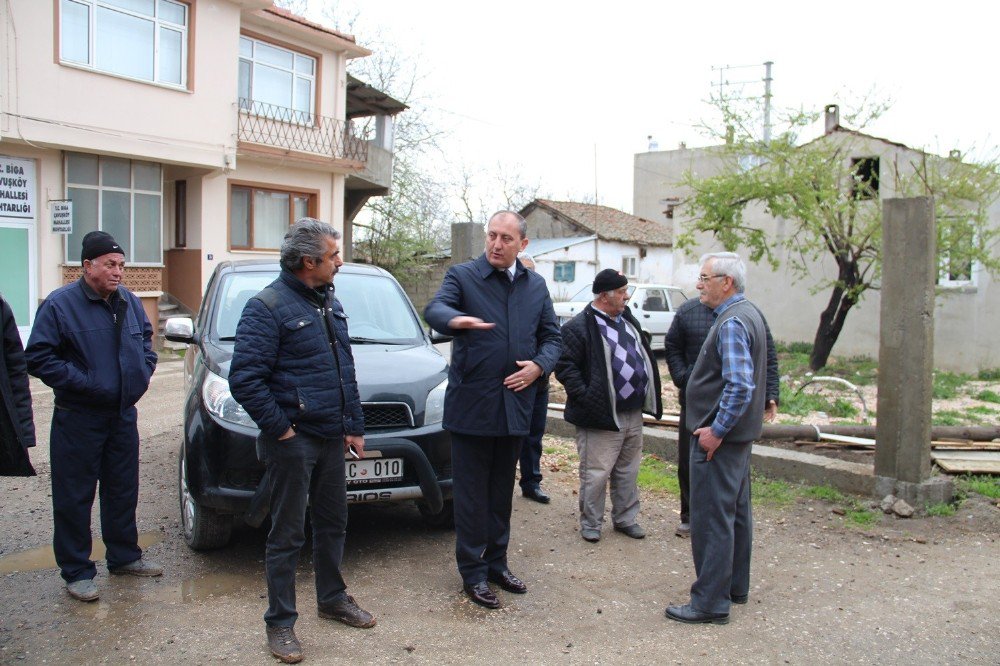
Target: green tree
{"x":830,"y":201}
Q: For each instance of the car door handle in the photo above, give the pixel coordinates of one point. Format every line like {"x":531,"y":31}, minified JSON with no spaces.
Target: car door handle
{"x":646,"y":316}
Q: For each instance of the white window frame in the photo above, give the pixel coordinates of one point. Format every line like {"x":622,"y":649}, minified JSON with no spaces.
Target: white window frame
{"x":943,"y":263}
{"x":130,"y":244}
{"x":158,"y":25}
{"x":630,"y":261}
{"x":559,"y":269}
{"x":295,"y":116}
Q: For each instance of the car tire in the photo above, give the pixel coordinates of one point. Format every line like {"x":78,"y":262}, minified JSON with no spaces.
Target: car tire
{"x":443,"y":519}
{"x":203,"y":527}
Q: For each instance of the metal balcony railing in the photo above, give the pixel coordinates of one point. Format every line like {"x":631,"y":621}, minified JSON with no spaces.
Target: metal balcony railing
{"x":281,"y":127}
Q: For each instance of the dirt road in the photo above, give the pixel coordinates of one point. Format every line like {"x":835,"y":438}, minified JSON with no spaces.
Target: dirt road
{"x":904,"y":592}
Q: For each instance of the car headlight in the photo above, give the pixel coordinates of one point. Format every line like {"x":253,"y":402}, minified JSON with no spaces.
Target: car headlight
{"x":220,"y":403}
{"x":434,"y":411}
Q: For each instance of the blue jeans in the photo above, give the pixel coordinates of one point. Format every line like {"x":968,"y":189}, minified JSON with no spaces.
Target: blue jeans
{"x":305,"y":472}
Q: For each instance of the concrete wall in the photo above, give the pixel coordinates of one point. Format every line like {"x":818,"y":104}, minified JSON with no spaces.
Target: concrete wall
{"x":965,"y":317}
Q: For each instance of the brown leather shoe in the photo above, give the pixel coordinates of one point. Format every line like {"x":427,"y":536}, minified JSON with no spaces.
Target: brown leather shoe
{"x":481,"y":594}
{"x":508,"y":581}
{"x":348,"y":612}
{"x":284,"y":645}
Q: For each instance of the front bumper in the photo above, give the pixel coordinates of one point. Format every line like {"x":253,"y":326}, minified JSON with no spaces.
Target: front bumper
{"x":225,"y":474}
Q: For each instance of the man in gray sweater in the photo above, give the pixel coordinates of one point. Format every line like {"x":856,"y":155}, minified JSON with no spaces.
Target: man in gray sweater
{"x":725,"y":412}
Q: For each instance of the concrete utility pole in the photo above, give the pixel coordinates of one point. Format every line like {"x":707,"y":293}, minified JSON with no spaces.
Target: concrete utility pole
{"x":724,"y":83}
{"x":906,"y":354}
{"x":767,"y":101}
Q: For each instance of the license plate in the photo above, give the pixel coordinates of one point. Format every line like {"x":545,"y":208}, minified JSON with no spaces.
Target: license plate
{"x":376,"y":470}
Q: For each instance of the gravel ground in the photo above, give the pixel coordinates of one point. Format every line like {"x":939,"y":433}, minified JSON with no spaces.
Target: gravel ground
{"x":911,"y":591}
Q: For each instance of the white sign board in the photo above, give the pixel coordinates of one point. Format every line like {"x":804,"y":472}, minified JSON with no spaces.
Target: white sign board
{"x":61,"y":212}
{"x":17,"y":188}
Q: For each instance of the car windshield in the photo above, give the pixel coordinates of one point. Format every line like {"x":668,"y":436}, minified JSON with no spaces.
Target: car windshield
{"x":376,"y":307}
{"x":587,"y":295}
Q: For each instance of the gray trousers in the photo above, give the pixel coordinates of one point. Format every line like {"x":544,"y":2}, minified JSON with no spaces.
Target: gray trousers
{"x":610,"y":456}
{"x":721,"y":525}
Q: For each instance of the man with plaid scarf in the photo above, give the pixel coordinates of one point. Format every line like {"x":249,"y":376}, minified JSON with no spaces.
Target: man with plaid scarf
{"x":610,"y":376}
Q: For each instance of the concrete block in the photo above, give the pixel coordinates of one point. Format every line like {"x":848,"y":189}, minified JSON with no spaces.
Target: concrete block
{"x":934,"y":490}
{"x":796,"y":466}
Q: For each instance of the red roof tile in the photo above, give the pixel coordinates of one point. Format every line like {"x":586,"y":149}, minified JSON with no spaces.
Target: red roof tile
{"x":608,"y":223}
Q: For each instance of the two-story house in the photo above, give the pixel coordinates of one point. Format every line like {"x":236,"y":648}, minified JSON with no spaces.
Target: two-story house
{"x":193,"y":131}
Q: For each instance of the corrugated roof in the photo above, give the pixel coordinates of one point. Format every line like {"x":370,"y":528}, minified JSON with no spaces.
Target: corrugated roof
{"x":607,"y":223}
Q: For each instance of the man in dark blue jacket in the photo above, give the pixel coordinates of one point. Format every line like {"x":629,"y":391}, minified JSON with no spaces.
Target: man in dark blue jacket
{"x":293,"y":372}
{"x":92,"y":343}
{"x":505,"y":338}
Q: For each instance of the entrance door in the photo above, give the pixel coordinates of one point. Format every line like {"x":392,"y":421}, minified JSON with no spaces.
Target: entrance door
{"x":17,"y":239}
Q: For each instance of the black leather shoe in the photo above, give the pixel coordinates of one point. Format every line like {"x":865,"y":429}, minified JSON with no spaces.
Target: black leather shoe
{"x":536,"y":494}
{"x":348,"y":612}
{"x":739,"y":598}
{"x":481,"y":594}
{"x":284,"y":645}
{"x":508,"y":581}
{"x":689,"y":615}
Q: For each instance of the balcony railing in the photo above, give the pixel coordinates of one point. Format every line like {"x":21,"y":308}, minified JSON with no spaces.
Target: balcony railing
{"x":281,"y":127}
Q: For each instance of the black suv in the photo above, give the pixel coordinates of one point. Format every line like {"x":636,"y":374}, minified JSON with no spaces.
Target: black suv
{"x":401,"y":378}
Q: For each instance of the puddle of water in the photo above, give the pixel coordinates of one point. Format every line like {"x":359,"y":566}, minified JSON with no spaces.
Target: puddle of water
{"x":208,"y":586}
{"x":42,"y":557}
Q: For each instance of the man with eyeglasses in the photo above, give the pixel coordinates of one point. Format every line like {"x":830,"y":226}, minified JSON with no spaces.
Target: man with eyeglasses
{"x":687,"y":333}
{"x":725,"y":412}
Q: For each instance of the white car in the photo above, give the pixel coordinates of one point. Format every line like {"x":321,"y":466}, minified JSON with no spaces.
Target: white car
{"x":653,"y":305}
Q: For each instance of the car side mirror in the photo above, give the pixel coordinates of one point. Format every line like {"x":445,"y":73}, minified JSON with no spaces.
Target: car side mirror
{"x":180,"y":329}
{"x":438,"y":338}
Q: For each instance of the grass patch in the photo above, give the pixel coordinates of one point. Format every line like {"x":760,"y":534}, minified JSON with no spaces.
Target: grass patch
{"x":657,"y":474}
{"x":947,"y":384}
{"x":988,"y":486}
{"x":988,"y":396}
{"x":804,"y":348}
{"x":948,"y":417}
{"x":825,"y":493}
{"x":990,"y":375}
{"x":980,"y":409}
{"x":861,"y":517}
{"x":843,"y":408}
{"x":769,"y":491}
{"x":797,"y":403}
{"x":941,"y":509}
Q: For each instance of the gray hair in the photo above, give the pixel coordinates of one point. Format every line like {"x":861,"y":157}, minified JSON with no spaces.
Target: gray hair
{"x":305,"y":238}
{"x":728,"y":263}
{"x":522,"y":224}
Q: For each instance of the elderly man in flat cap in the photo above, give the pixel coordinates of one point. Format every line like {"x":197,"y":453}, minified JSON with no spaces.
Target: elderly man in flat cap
{"x":611,"y":378}
{"x":92,"y":343}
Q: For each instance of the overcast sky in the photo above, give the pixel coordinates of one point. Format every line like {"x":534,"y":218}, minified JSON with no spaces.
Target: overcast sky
{"x":546,"y":84}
